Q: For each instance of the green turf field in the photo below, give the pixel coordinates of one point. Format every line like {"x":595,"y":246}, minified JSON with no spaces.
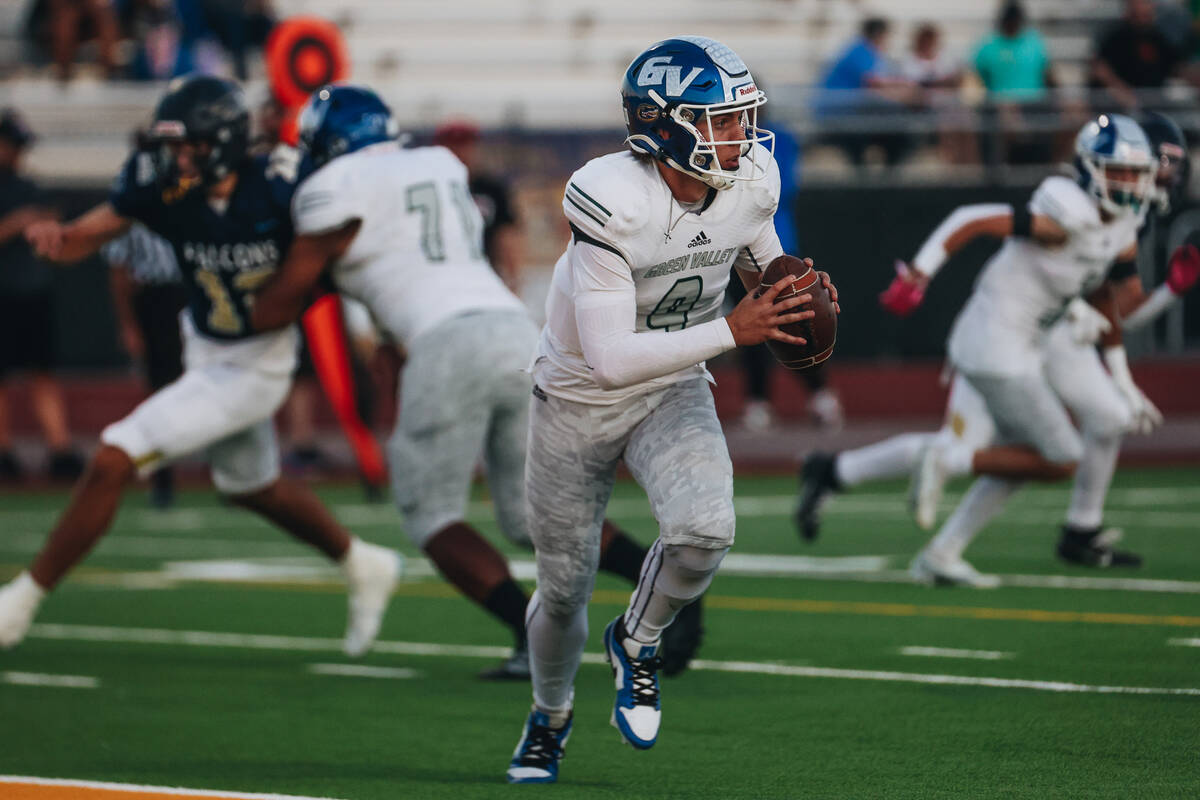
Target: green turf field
{"x":1050,"y":687}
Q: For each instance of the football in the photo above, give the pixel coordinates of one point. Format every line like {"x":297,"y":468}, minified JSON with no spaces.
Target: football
{"x":820,"y":331}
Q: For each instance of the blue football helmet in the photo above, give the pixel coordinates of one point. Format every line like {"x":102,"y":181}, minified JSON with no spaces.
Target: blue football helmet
{"x":1114,"y":140}
{"x":341,"y":118}
{"x":670,"y":94}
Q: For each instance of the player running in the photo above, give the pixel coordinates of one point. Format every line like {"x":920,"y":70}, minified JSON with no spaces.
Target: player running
{"x":633,"y":312}
{"x":396,"y":229}
{"x":226,"y":216}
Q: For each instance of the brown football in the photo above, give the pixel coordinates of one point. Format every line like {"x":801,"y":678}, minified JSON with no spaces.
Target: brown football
{"x":820,"y":331}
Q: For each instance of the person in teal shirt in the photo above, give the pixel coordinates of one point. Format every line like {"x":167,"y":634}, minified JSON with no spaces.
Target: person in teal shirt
{"x":1012,"y":62}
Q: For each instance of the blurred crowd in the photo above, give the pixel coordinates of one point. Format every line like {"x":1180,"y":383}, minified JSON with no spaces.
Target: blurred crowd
{"x":150,"y":39}
{"x":1134,"y":60}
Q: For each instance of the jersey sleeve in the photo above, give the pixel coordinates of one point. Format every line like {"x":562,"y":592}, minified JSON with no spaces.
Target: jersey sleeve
{"x":135,"y":192}
{"x":1061,"y":200}
{"x":603,"y":215}
{"x":326,"y":202}
{"x":117,"y":253}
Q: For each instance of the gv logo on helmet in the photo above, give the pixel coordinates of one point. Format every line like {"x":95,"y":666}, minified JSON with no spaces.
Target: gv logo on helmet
{"x":655,"y":70}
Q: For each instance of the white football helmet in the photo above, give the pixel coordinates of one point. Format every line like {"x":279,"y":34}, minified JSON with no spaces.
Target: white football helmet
{"x":1116,"y":164}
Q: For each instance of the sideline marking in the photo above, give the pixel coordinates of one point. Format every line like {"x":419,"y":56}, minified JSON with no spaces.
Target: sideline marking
{"x":950,"y":652}
{"x":56,"y":681}
{"x":251,"y":641}
{"x":363,"y":671}
{"x":1184,"y":642}
{"x":32,"y":788}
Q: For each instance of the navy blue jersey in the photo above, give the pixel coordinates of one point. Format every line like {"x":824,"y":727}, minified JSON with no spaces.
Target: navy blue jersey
{"x":224,"y":257}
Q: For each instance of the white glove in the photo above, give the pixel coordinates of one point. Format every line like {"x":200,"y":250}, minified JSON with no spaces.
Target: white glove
{"x":1146,"y":416}
{"x":1086,"y":323}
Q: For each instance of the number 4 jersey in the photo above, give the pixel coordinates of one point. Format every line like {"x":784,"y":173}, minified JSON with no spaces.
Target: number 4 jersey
{"x":417,"y":258}
{"x":676,"y":257}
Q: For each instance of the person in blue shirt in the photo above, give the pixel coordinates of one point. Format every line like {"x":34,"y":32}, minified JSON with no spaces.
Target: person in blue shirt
{"x":227,"y":216}
{"x":857,"y":84}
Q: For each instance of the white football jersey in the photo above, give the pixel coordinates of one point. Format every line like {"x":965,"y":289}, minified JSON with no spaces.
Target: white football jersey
{"x":1025,"y":287}
{"x":418,"y":256}
{"x":679,"y":259}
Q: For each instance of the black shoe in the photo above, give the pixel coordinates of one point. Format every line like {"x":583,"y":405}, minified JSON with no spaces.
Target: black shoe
{"x":65,"y":465}
{"x":10,"y":468}
{"x":162,"y":489}
{"x":374,"y":492}
{"x":681,"y":640}
{"x":514,"y":668}
{"x":1093,"y":547}
{"x":818,"y":478}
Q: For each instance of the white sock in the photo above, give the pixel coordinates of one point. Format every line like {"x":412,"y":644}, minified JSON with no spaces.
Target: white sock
{"x":1092,"y":479}
{"x":28,"y":587}
{"x":672,"y":576}
{"x":982,"y":502}
{"x":891,"y":458}
{"x":555,"y":650}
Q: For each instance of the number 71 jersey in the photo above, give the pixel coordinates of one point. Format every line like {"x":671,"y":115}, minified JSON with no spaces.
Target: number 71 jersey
{"x":627,"y":228}
{"x":417,"y":258}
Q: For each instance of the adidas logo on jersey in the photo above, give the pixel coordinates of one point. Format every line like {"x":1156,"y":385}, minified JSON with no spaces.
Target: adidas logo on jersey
{"x":699,"y":241}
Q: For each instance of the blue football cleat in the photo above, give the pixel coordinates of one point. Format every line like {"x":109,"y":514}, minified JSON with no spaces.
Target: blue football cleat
{"x":636,"y":713}
{"x":541,"y":748}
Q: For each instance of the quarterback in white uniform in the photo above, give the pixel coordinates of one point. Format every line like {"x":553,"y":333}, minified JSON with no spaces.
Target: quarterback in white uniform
{"x":1023,"y":351}
{"x":633,"y":312}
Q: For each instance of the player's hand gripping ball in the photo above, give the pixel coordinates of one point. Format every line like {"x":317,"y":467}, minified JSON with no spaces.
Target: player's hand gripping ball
{"x":820,"y":331}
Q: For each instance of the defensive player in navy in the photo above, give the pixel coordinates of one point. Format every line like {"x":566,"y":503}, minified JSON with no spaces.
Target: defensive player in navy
{"x":395,"y":228}
{"x":633,"y":313}
{"x":227,"y":217}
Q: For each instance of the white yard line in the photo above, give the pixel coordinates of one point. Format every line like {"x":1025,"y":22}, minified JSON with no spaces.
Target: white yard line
{"x":1184,"y":642}
{"x":298,"y":643}
{"x":363,"y":671}
{"x":950,"y":652}
{"x":139,"y":789}
{"x":54,"y":681}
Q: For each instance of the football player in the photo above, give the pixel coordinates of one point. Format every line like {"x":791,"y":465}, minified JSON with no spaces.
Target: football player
{"x":1075,"y":239}
{"x":633,"y":313}
{"x":226,"y":216}
{"x":967,"y":427}
{"x":396,"y":229}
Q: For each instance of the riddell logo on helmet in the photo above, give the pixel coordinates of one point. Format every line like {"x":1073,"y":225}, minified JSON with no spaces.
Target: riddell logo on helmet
{"x":748,"y":89}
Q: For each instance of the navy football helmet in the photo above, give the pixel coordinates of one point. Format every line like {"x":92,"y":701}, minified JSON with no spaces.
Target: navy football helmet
{"x":672,"y":92}
{"x":1114,"y":140}
{"x":205,"y":111}
{"x":1174,"y":166}
{"x":341,"y":118}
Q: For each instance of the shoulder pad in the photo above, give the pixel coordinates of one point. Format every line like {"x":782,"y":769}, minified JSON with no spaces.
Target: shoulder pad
{"x":1062,"y":200}
{"x":608,"y":198}
{"x":324,"y":200}
{"x":766,"y":191}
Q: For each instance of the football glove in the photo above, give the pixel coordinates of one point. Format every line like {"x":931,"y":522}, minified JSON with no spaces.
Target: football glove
{"x":1086,"y":323}
{"x":904,"y":293}
{"x":1146,"y":416}
{"x":1184,"y":269}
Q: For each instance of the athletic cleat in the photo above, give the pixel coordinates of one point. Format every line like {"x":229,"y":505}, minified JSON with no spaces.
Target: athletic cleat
{"x":19,"y":601}
{"x":682,"y":639}
{"x":371,"y":575}
{"x":935,"y":571}
{"x":1094,"y":548}
{"x":925,"y":490}
{"x":541,"y":748}
{"x":818,"y":480}
{"x":513,"y":668}
{"x":636,"y":712}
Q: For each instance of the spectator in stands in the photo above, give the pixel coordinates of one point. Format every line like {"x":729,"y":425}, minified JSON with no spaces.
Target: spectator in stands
{"x":859,"y":90}
{"x":239,"y":25}
{"x":27,"y":340}
{"x":153,"y":28}
{"x":941,"y":77}
{"x":502,"y":236}
{"x":1016,"y":70}
{"x":63,"y":25}
{"x":1135,"y":54}
{"x":148,"y":294}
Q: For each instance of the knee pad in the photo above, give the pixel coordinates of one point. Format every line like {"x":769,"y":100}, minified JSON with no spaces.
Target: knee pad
{"x":706,"y":526}
{"x":687,"y":570}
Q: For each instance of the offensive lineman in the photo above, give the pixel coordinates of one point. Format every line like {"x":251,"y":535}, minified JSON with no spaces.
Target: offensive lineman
{"x":396,"y":228}
{"x":226,"y":215}
{"x":633,"y":313}
{"x":1077,"y":239}
{"x":967,"y":429}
